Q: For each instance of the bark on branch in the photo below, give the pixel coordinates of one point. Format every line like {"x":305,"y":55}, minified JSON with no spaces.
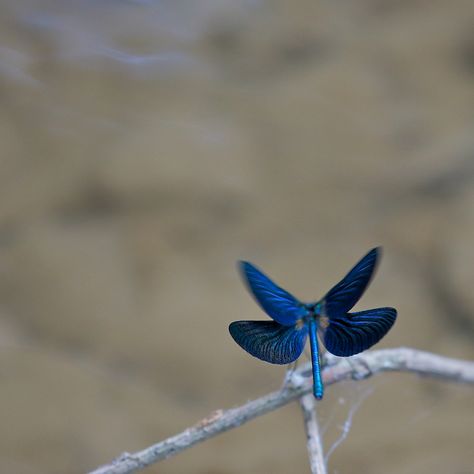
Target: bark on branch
{"x":337,"y":369}
{"x":314,"y":442}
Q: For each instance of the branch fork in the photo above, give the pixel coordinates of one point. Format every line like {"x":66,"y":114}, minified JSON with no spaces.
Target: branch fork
{"x":361,"y":366}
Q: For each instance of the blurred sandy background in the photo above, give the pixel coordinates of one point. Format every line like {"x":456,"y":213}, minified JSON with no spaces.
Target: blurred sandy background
{"x":148,"y":145}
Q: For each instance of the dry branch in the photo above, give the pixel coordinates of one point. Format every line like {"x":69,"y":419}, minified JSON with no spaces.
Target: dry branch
{"x":361,"y":366}
{"x":314,"y":442}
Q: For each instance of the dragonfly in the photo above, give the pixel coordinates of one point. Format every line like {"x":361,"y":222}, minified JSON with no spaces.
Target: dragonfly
{"x":343,"y":333}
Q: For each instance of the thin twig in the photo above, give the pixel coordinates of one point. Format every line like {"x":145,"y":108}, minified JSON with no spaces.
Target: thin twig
{"x":362,"y":366}
{"x":313,"y":435}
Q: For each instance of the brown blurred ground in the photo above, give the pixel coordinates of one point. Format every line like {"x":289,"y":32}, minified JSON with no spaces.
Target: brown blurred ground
{"x":294,"y":134}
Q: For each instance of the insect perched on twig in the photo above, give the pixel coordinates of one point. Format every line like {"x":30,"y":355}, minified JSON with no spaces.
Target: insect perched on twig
{"x":282,"y":340}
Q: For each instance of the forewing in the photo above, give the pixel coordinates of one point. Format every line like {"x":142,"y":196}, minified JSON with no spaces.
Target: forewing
{"x":342,"y":297}
{"x":269,"y":341}
{"x":355,"y":332}
{"x":280,"y":305}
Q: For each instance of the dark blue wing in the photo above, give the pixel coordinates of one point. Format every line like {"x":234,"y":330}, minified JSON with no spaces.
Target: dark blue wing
{"x":269,"y":341}
{"x":355,"y":332}
{"x":342,"y":297}
{"x":275,"y":301}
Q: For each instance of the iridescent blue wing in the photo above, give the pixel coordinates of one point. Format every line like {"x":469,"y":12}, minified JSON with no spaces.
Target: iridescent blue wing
{"x":275,"y":301}
{"x":342,"y":297}
{"x":269,"y":341}
{"x":352,"y":333}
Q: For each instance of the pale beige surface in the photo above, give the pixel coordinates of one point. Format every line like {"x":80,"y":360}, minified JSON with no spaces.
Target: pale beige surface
{"x":294,"y":134}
